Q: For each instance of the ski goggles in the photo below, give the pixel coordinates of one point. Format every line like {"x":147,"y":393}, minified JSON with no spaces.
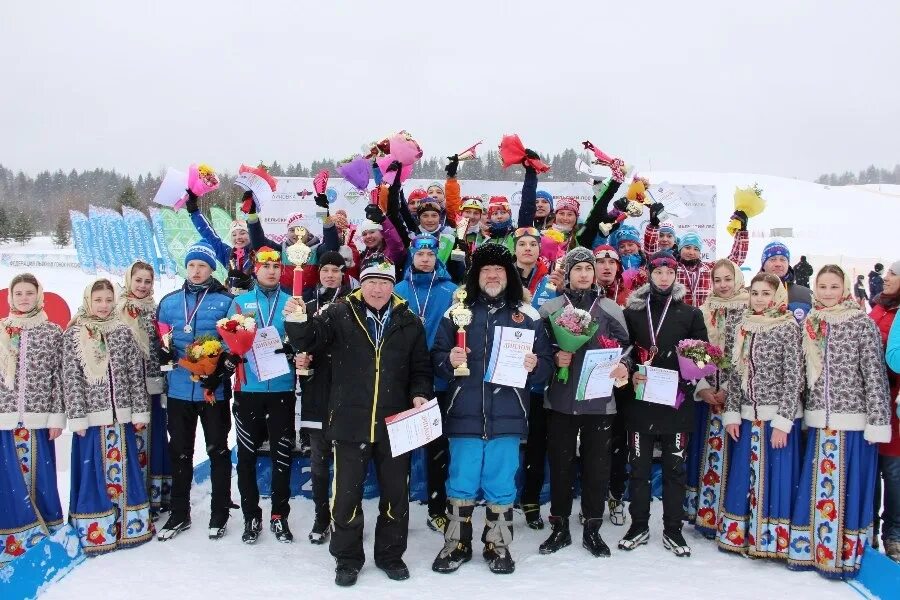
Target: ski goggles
{"x":527,"y":231}
{"x":424,"y":242}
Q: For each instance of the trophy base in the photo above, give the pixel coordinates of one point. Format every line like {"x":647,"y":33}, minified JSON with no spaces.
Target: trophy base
{"x":461,"y":371}
{"x":303,"y":372}
{"x":166,"y":368}
{"x":457,"y":254}
{"x":296,"y":318}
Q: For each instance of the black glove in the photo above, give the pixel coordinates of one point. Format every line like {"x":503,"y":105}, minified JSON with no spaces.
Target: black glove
{"x":374,"y":213}
{"x":165,"y":355}
{"x":288,"y":352}
{"x":742,"y":217}
{"x":228,"y":364}
{"x":655,"y":209}
{"x":394,"y":166}
{"x":322,"y":201}
{"x":239,"y":279}
{"x":249,"y":205}
{"x":452,"y":166}
{"x":621,"y":204}
{"x":191,"y":204}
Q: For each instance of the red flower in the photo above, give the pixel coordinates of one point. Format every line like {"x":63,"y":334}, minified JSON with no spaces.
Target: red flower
{"x":848,"y":549}
{"x":706,"y":516}
{"x":231,"y":326}
{"x":113,"y":490}
{"x":142,"y":459}
{"x":734,"y":536}
{"x":781,"y":538}
{"x":827,"y":509}
{"x":94,"y":535}
{"x":711,"y":478}
{"x":751,"y":541}
{"x":13,"y":546}
{"x":606,"y":342}
{"x":823,"y":553}
{"x":114,"y":454}
{"x":827,"y":467}
{"x":754,"y":457}
{"x":715,"y":443}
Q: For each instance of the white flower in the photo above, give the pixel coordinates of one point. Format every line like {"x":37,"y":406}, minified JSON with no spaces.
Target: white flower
{"x":701,"y":364}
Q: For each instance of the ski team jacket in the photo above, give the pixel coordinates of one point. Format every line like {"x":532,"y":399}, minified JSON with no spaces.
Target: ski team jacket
{"x":171,"y":311}
{"x":476,"y":408}
{"x":260,"y":303}
{"x":368,"y":382}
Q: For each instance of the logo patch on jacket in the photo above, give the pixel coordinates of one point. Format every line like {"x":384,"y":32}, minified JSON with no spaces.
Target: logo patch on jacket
{"x":518,"y":317}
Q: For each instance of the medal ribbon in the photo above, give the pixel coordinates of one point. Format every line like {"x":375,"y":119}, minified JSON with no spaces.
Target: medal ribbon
{"x":654,"y":333}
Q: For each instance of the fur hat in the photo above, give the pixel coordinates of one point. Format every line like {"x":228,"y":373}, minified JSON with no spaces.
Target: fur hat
{"x":494,"y":254}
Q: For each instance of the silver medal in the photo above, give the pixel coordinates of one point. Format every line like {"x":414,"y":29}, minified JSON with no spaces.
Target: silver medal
{"x":188,"y":329}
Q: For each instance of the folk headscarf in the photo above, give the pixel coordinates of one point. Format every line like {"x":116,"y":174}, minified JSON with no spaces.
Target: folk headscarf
{"x":129,"y":308}
{"x":716,"y":308}
{"x":91,"y":346}
{"x":752,"y":323}
{"x":11,"y":332}
{"x":815,"y":329}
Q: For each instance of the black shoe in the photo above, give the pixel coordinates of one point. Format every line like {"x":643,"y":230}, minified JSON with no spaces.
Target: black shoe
{"x":499,"y":560}
{"x":217,"y":525}
{"x":450,"y":561}
{"x":437,"y":522}
{"x":674,"y":543}
{"x":252,"y":529}
{"x":174,"y":525}
{"x":279,"y":527}
{"x":560,"y":536}
{"x":592,"y":540}
{"x":637,"y":535}
{"x":345,"y":576}
{"x":319,"y":532}
{"x":533,"y":516}
{"x":395,"y":569}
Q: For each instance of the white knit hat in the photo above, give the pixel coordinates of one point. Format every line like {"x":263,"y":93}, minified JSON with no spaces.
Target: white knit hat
{"x":238,"y":226}
{"x":368,"y":225}
{"x":294,"y":220}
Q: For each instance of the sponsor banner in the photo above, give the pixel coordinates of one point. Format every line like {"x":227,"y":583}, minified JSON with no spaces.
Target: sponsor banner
{"x":169,"y":266}
{"x":140,"y":234}
{"x":81,"y":236}
{"x":102,"y":255}
{"x":51,"y":261}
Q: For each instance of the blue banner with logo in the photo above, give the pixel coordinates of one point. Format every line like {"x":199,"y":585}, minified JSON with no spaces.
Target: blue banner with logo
{"x":140,"y":237}
{"x":159,"y":233}
{"x":81,"y":236}
{"x":116,"y":233}
{"x":99,"y":244}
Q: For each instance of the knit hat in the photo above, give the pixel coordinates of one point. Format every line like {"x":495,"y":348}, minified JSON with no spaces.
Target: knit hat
{"x":577,"y":255}
{"x":417,"y":194}
{"x":607,"y":251}
{"x":332,"y":258}
{"x":661,"y":259}
{"x":895,"y":268}
{"x":879,"y":267}
{"x":498,"y":203}
{"x":368,"y":225}
{"x":568,"y":203}
{"x":472,"y":202}
{"x":625,"y":233}
{"x":435,"y":184}
{"x":427,"y":204}
{"x":775,"y":248}
{"x":266,"y":255}
{"x":377,"y":266}
{"x":238,"y":226}
{"x":667,"y":227}
{"x":691,"y":238}
{"x":544,"y":195}
{"x":201,"y":250}
{"x":294,"y":220}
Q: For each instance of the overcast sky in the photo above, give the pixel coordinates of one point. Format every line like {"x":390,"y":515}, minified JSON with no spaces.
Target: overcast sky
{"x":792,"y":88}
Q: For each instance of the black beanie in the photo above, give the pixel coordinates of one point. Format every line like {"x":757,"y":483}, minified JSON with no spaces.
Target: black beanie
{"x":332,"y":258}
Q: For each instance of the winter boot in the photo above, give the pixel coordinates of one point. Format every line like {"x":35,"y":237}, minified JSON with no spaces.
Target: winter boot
{"x":217,"y":525}
{"x":279,"y":526}
{"x":616,"y":511}
{"x":533,"y":516}
{"x":674,"y":542}
{"x":320,"y":528}
{"x":396,"y":569}
{"x":252,"y":529}
{"x":497,"y":536}
{"x":892,"y":549}
{"x":345,"y":575}
{"x":591,"y":538}
{"x":637,"y":535}
{"x":559,"y":537}
{"x":457,"y":537}
{"x":174,"y":525}
{"x":437,"y":523}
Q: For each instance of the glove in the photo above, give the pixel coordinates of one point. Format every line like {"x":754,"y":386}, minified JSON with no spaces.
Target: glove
{"x":740,"y":216}
{"x":239,"y":279}
{"x":249,"y":205}
{"x":621,"y":204}
{"x":322,"y":201}
{"x":452,"y":166}
{"x":228,"y":364}
{"x":165,"y":355}
{"x":374,"y":213}
{"x":655,"y":209}
{"x":191,"y":203}
{"x":288,"y":352}
{"x":394,"y":166}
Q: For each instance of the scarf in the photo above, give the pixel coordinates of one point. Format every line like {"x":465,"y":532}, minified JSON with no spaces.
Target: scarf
{"x":91,"y":348}
{"x":130,"y":309}
{"x":716,"y":308}
{"x":816,"y":326}
{"x":776,"y":315}
{"x":11,"y":332}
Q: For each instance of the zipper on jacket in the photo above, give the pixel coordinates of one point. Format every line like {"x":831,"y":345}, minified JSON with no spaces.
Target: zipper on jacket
{"x":375,"y":396}
{"x":487,"y":327}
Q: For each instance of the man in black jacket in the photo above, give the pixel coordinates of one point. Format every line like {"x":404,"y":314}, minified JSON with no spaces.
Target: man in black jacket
{"x":802,"y":272}
{"x":380,"y":366}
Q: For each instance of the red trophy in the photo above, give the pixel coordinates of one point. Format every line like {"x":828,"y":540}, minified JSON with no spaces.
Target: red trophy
{"x":461,"y":317}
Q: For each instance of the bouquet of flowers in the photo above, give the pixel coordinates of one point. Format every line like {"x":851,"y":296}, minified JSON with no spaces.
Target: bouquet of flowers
{"x":357,"y":171}
{"x":201,"y":181}
{"x":201,"y":357}
{"x":697,"y":359}
{"x":748,"y":201}
{"x":238,"y":331}
{"x":513,"y":152}
{"x":572,"y":328}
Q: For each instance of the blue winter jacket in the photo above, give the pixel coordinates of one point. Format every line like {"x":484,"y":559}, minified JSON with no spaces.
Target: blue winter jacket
{"x":433,"y":296}
{"x":171,"y":311}
{"x":476,"y":408}
{"x":223,"y":250}
{"x":260,"y":303}
{"x":892,"y":352}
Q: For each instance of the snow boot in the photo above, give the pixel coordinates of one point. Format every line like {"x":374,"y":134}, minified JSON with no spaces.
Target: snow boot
{"x":559,"y":538}
{"x":591,"y":538}
{"x":279,"y":526}
{"x":674,"y":542}
{"x":616,"y":511}
{"x":252,"y":529}
{"x":892,"y":549}
{"x":533,"y":516}
{"x":396,"y":569}
{"x":457,"y":537}
{"x":437,"y":523}
{"x":497,"y":536}
{"x":320,"y":528}
{"x":217,"y":526}
{"x":174,"y":525}
{"x":345,"y":575}
{"x":637,"y":535}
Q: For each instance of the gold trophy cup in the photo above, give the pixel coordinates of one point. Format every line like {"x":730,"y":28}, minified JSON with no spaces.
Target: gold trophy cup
{"x":461,"y":317}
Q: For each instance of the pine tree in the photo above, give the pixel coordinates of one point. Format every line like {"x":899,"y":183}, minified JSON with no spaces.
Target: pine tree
{"x":129,"y":197}
{"x":61,"y":234}
{"x":4,"y":225}
{"x":22,"y":229}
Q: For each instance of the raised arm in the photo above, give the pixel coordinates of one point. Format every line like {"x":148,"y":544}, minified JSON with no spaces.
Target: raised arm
{"x":603,"y":195}
{"x":223,"y":250}
{"x":528,"y":206}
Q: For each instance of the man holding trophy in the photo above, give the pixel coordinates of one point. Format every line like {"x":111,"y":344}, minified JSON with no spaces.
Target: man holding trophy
{"x":487,"y":411}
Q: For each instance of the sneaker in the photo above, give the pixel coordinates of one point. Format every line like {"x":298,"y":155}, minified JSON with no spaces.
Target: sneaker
{"x":279,"y":526}
{"x":559,"y":538}
{"x":450,"y":559}
{"x":437,"y":522}
{"x":533,"y":516}
{"x":319,"y":532}
{"x":345,"y":575}
{"x":396,"y":570}
{"x":252,"y":529}
{"x":616,"y":511}
{"x":674,"y":543}
{"x":636,"y":536}
{"x":174,"y":525}
{"x":499,"y":560}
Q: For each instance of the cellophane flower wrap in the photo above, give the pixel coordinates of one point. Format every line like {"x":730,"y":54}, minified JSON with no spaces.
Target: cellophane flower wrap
{"x":698,"y":359}
{"x":238,"y":331}
{"x":201,"y":357}
{"x":572,"y":329}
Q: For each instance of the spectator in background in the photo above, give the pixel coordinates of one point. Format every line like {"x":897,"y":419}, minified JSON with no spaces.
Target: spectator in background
{"x":802,"y":272}
{"x":876,"y":282}
{"x":859,"y":291}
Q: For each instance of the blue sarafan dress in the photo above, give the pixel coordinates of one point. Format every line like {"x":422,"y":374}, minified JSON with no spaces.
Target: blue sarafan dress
{"x":30,"y":404}
{"x":847,"y":414}
{"x":105,"y":393}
